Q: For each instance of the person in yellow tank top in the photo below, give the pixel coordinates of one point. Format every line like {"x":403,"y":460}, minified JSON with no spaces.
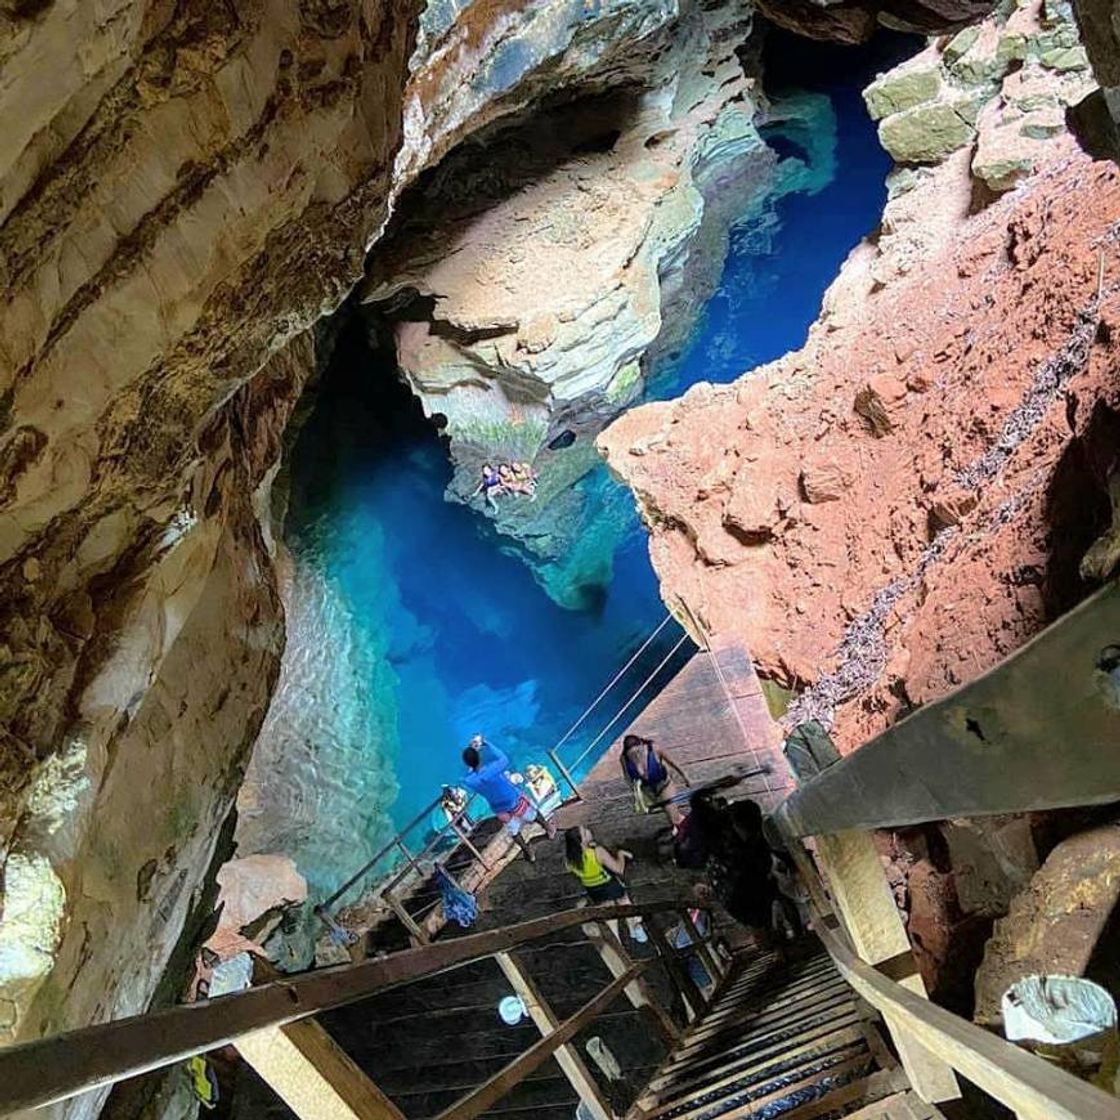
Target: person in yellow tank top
{"x":600,"y":872}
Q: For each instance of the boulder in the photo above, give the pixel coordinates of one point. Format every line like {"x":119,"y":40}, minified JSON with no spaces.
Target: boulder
{"x":1009,"y":146}
{"x":824,"y":481}
{"x":913,"y":83}
{"x":928,"y":133}
{"x":1054,"y":925}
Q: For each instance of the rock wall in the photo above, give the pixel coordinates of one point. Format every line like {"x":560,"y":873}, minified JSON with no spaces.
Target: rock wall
{"x":891,"y":510}
{"x":545,"y":272}
{"x":193,"y":185}
{"x":525,"y":275}
{"x":1001,"y":87}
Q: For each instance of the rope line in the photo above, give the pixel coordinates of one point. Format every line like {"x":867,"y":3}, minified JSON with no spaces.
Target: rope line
{"x":641,"y":688}
{"x":613,"y":681}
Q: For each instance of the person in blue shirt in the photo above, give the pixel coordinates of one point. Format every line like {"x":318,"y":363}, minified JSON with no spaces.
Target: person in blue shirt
{"x":486,"y":774}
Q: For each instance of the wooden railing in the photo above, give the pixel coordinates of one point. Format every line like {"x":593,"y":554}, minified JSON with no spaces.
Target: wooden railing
{"x":1031,"y":1087}
{"x":56,"y":1068}
{"x":1040,"y":731}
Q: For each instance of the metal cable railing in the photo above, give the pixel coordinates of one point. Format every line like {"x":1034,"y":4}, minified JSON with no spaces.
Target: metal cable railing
{"x":408,"y":856}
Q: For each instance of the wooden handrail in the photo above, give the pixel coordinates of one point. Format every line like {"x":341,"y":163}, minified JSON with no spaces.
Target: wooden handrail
{"x":480,"y":1099}
{"x":56,"y":1068}
{"x":1016,"y":1078}
{"x":989,"y":747}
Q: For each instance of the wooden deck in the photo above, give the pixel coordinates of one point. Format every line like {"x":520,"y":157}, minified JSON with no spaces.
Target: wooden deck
{"x":428,"y":1044}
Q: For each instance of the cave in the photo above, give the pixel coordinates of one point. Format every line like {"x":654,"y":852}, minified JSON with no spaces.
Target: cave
{"x":388,"y":390}
{"x":510,"y":620}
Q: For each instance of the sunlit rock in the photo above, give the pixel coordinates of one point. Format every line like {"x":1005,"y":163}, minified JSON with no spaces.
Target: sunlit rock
{"x":34,"y":900}
{"x":974,"y":88}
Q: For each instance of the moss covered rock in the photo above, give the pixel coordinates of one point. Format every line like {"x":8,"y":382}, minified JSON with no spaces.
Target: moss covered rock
{"x":928,"y":133}
{"x":903,"y":88}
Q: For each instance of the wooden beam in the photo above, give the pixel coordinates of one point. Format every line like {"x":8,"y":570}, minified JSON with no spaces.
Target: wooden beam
{"x":689,"y":990}
{"x":640,"y":994}
{"x":415,"y":933}
{"x":875,"y":1087}
{"x":863,"y":899}
{"x":1039,"y":731}
{"x":313,"y":1076}
{"x":1018,"y":1079}
{"x":552,"y":1043}
{"x":567,"y":1057}
{"x":62,"y":1066}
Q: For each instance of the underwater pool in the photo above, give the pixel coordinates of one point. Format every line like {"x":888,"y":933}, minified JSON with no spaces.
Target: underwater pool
{"x":428,"y":626}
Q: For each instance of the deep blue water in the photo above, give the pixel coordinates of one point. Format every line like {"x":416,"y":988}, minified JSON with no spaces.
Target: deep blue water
{"x":474,"y":641}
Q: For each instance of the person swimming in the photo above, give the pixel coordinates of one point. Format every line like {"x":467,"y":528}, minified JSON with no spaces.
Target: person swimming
{"x":490,"y":486}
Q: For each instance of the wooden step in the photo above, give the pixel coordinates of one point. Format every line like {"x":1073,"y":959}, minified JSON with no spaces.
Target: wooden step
{"x":770,"y":1083}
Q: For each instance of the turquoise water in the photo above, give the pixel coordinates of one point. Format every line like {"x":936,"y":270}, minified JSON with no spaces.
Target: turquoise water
{"x":472,"y":640}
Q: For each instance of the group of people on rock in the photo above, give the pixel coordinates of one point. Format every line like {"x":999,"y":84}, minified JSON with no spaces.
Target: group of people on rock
{"x":506,"y":478}
{"x":726,"y":841}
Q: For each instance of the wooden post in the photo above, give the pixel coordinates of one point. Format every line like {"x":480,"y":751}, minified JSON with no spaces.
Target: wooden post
{"x":639,"y":993}
{"x":689,"y":991}
{"x":989,"y":747}
{"x":312,"y":1075}
{"x":867,"y":909}
{"x":465,"y":838}
{"x":516,"y":1071}
{"x":418,"y":936}
{"x":567,"y":1056}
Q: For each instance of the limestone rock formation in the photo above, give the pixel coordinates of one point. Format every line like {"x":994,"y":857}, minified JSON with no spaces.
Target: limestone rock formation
{"x":976,"y":483}
{"x":855,"y":21}
{"x":191,"y":187}
{"x":1004,"y":84}
{"x":533,"y":274}
{"x":1056,"y":922}
{"x":537,"y":281}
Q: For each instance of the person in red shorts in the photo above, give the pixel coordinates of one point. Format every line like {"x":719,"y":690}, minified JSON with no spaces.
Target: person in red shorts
{"x":486,"y":774}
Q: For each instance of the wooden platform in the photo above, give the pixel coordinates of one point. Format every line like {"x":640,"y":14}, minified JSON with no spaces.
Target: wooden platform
{"x":427,"y":1044}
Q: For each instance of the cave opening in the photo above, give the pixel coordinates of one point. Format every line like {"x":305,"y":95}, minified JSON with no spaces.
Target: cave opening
{"x":414,"y":620}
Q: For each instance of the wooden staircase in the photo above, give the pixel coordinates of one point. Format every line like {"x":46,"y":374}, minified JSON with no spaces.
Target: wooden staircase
{"x":782,"y":1038}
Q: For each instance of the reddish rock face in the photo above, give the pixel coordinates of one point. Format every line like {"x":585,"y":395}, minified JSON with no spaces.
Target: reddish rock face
{"x":887,"y":513}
